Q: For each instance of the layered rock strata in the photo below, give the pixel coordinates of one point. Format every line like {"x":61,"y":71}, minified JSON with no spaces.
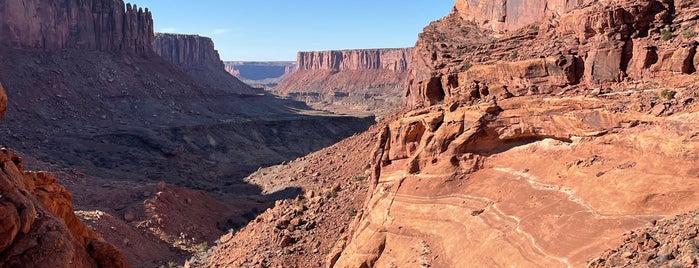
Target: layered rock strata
{"x":600,"y":43}
{"x":349,"y":81}
{"x":105,"y":25}
{"x":198,"y":57}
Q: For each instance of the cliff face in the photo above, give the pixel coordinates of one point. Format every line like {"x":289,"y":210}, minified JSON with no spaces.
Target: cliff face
{"x":187,"y":50}
{"x":364,"y":80}
{"x":595,"y":45}
{"x":105,"y":25}
{"x":261,"y":74}
{"x":198,"y":57}
{"x":394,"y":59}
{"x":501,"y":15}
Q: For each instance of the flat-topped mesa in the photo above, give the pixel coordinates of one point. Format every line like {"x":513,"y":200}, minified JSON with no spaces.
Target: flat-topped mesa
{"x":507,"y":15}
{"x":187,"y":50}
{"x":198,"y":56}
{"x":394,"y":59}
{"x":105,"y":25}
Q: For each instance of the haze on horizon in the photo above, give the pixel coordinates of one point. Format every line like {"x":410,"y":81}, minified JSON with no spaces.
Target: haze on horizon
{"x":275,"y":30}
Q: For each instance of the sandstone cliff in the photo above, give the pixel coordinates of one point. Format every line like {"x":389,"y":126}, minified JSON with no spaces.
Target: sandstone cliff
{"x":349,"y":81}
{"x":38,"y":225}
{"x":199,"y":58}
{"x":392,"y":59}
{"x":596,"y":45}
{"x":505,"y":15}
{"x":105,"y":25}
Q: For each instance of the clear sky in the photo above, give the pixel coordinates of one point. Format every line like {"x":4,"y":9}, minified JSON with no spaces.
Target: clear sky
{"x":264,"y":30}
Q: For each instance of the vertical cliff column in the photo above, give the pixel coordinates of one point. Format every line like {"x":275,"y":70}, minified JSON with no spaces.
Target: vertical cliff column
{"x":105,"y":25}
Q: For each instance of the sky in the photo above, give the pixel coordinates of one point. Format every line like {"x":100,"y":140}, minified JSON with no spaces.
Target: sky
{"x":274,"y":30}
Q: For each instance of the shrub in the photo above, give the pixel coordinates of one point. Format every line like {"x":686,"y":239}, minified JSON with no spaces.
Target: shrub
{"x":466,"y":66}
{"x":360,"y":178}
{"x":694,"y":244}
{"x":514,"y":55}
{"x":668,"y":94}
{"x":688,"y":33}
{"x":535,"y":28}
{"x":667,"y":34}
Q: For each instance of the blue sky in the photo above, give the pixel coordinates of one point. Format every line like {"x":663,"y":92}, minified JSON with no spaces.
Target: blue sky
{"x":276,"y":29}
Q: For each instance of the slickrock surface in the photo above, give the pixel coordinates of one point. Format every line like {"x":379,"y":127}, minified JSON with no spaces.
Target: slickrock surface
{"x":532,"y":182}
{"x":197,"y":56}
{"x":105,"y":25}
{"x":365,"y":81}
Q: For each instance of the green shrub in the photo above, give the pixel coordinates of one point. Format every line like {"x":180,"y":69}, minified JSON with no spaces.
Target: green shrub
{"x":466,"y":66}
{"x":514,"y":55}
{"x":667,"y":34}
{"x":668,"y":94}
{"x":694,"y":244}
{"x":688,"y":33}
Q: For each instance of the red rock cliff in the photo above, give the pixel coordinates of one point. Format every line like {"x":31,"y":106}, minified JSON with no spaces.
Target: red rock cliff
{"x":393,"y":59}
{"x":513,"y":14}
{"x":106,"y":25}
{"x":364,"y":80}
{"x":187,"y":50}
{"x":200,"y":59}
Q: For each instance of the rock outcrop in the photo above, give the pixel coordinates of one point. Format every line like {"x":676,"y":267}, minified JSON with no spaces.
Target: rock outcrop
{"x":448,"y":174}
{"x":349,"y":81}
{"x":199,"y":58}
{"x":38,"y":226}
{"x":105,"y":25}
{"x":598,"y":43}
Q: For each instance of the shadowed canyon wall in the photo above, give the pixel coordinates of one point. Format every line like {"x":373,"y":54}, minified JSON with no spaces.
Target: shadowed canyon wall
{"x":197,"y":56}
{"x":105,"y":25}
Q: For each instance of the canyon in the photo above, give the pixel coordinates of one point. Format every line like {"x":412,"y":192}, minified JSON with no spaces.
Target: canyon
{"x":139,"y":128}
{"x":261,"y":74}
{"x":362,"y":81}
{"x":533,"y":133}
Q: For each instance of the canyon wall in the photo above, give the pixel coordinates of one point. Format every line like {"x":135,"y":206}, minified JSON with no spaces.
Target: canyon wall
{"x":105,"y":25}
{"x":392,"y":59}
{"x":199,"y":58}
{"x":350,"y":81}
{"x":507,"y":15}
{"x":187,"y":50}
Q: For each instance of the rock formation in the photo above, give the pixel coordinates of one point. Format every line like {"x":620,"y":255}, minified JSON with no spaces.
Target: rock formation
{"x":198,"y":57}
{"x":365,"y":80}
{"x":597,"y":44}
{"x":506,"y":15}
{"x":105,"y":25}
{"x":38,"y":225}
{"x":392,"y":59}
{"x":543,"y":145}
